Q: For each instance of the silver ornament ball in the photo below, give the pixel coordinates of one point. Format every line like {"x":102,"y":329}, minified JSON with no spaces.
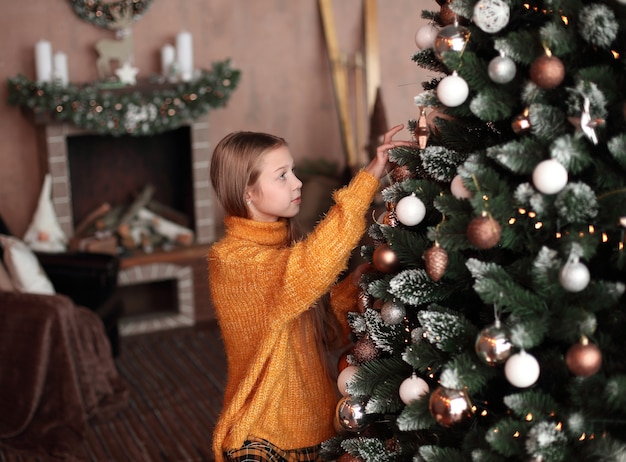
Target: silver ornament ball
{"x":492,"y":345}
{"x":351,"y":414}
{"x":392,"y":313}
{"x":501,"y":69}
{"x":451,"y":38}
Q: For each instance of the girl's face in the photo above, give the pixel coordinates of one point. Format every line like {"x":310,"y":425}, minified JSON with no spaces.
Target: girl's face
{"x":276,"y":193}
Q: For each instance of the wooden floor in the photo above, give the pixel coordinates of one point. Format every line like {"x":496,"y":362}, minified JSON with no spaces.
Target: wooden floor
{"x":176,"y":379}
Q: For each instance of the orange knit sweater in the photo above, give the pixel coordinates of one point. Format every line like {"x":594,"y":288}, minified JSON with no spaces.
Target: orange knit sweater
{"x":276,"y":387}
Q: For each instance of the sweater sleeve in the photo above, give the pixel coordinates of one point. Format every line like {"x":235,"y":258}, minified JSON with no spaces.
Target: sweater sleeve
{"x":309,"y":268}
{"x":315,"y":263}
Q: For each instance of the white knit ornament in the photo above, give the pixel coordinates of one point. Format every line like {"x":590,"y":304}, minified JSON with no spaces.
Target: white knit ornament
{"x":491,"y":15}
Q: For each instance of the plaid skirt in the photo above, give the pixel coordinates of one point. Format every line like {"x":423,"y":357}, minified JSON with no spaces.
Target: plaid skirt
{"x":257,"y":449}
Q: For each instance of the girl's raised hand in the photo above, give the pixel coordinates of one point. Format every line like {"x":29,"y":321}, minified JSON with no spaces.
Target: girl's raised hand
{"x":377,"y":165}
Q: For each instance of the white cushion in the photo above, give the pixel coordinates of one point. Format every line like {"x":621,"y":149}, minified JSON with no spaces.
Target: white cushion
{"x":24,"y":267}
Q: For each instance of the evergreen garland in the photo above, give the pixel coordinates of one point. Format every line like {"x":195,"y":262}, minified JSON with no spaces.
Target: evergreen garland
{"x":99,"y":13}
{"x":127,"y":110}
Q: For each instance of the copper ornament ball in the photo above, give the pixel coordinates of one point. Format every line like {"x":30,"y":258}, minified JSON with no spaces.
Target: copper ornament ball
{"x":401,"y":173}
{"x":449,"y":406}
{"x":446,"y":14}
{"x":484,"y":232}
{"x":583,"y":359}
{"x":365,"y":350}
{"x":385,"y":259}
{"x":547,"y":72}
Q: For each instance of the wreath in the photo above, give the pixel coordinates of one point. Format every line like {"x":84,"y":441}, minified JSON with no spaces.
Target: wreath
{"x":98,"y":12}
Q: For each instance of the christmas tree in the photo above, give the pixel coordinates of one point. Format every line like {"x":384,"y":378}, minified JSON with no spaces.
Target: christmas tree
{"x":492,"y":326}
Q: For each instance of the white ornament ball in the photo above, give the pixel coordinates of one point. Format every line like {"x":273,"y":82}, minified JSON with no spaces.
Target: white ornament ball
{"x":345,"y":376}
{"x":458,"y":189}
{"x":521,"y":369}
{"x":550,"y":176}
{"x":574,"y":276}
{"x":413,"y":388}
{"x":452,"y":90}
{"x":410,"y":210}
{"x":425,"y":36}
{"x":491,"y":15}
{"x":501,"y":69}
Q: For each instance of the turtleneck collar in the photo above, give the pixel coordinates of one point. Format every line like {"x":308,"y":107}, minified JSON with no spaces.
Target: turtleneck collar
{"x":259,"y":232}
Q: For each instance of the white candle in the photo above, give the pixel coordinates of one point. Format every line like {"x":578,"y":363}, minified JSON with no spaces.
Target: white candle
{"x":60,"y":71}
{"x":168,"y":57}
{"x":184,"y":55}
{"x":43,"y":61}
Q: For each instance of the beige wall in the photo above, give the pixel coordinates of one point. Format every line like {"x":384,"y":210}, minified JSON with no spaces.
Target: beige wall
{"x":278,"y":45}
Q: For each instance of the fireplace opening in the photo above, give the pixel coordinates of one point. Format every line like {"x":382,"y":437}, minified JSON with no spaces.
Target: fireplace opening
{"x":154,"y":298}
{"x":115,"y":170}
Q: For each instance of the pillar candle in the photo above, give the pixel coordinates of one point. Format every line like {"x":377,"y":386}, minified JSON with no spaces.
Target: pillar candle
{"x":43,"y":61}
{"x":60,"y":71}
{"x":184,"y":55}
{"x":168,"y":57}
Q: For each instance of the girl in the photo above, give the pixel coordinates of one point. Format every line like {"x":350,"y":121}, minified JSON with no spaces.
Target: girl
{"x":279,"y":402}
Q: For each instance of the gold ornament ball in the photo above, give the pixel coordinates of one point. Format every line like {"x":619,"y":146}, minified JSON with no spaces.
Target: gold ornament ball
{"x":449,"y":406}
{"x":583,"y":359}
{"x":484,"y":232}
{"x":547,"y":72}
{"x":385,"y":259}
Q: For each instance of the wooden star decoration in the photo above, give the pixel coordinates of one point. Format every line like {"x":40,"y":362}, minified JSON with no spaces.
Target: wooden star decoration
{"x":586,"y":124}
{"x":127,"y":74}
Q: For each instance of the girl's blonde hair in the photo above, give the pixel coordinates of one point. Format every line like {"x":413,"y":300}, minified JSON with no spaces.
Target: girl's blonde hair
{"x":236,"y":166}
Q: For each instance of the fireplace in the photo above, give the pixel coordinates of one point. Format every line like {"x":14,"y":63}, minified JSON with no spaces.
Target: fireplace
{"x":88,"y":169}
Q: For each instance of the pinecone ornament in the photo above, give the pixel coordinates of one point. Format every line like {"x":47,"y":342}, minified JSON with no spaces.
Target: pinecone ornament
{"x":436,"y":261}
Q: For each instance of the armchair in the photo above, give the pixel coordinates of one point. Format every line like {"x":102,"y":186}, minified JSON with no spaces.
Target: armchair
{"x":57,"y":371}
{"x":89,"y":280}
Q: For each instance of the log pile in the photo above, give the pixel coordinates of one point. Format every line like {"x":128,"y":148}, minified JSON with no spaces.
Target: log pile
{"x":145,"y":224}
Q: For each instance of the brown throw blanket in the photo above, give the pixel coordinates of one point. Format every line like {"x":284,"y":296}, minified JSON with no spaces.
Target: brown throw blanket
{"x":56,"y":373}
